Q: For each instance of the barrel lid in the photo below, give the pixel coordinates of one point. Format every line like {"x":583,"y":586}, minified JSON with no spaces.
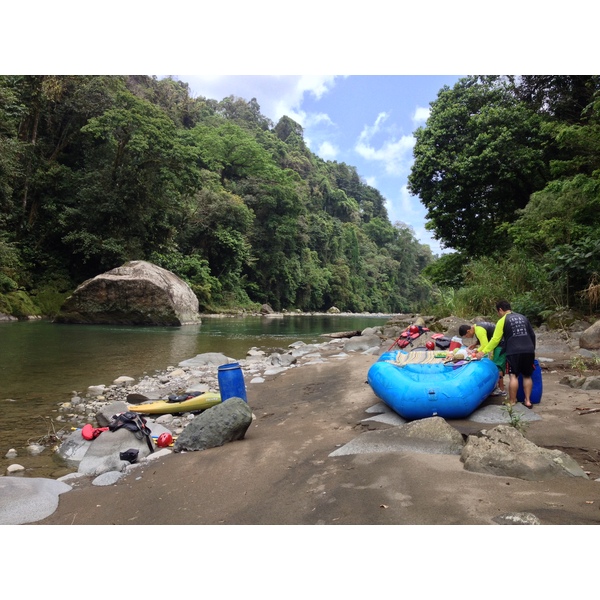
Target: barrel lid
{"x":229,"y":366}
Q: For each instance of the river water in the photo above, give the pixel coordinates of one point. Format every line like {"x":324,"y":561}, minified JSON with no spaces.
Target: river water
{"x":43,"y":363}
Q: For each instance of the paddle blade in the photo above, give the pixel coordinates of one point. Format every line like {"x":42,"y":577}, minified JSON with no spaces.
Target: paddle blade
{"x":136,"y":398}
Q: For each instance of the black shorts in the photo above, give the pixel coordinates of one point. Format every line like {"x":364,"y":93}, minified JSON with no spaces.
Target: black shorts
{"x":520,"y":364}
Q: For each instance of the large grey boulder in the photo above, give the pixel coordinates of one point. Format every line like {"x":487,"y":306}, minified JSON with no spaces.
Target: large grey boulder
{"x":434,"y":431}
{"x":582,"y":383}
{"x":282,"y":360}
{"x":225,"y":422}
{"x":361,"y":343}
{"x":103,"y":454}
{"x":73,"y":448}
{"x":207,"y":359}
{"x":504,"y":451}
{"x":590,"y":338}
{"x":266,"y":309}
{"x":105,"y":415}
{"x":433,"y":435}
{"x":137,"y":293}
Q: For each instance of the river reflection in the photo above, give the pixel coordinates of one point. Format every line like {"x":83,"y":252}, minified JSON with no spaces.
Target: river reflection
{"x":43,"y":363}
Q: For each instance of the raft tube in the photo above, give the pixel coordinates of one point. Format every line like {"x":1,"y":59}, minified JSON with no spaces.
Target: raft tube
{"x":418,"y":391}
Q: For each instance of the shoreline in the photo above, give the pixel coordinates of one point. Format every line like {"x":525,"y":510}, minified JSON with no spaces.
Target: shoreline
{"x":164,"y":382}
{"x":169,"y":380}
{"x":283,"y":471}
{"x":257,"y":366}
{"x":6,"y":318}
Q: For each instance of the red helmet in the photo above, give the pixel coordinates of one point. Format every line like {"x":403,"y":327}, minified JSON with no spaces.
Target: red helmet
{"x":430,"y":345}
{"x":414,"y":329}
{"x":164,"y":440}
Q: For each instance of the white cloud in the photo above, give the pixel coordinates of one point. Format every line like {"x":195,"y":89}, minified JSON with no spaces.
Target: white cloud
{"x":281,"y":109}
{"x":307,"y":119}
{"x":312,"y":119}
{"x":420,"y":115}
{"x":328,"y":151}
{"x":395,"y":155}
{"x":405,"y":208}
{"x":317,"y":85}
{"x":369,"y":132}
{"x":277,"y":95}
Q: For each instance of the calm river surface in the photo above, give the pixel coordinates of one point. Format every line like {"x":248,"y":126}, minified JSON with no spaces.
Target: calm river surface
{"x":43,"y":363}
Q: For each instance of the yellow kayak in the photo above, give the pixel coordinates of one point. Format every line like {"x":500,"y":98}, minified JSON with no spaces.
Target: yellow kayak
{"x":161,"y":407}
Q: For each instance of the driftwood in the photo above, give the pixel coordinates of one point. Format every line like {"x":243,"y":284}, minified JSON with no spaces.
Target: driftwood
{"x":342,"y":334}
{"x":587,"y":411}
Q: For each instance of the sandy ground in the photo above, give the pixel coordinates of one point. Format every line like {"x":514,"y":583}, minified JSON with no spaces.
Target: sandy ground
{"x":282,"y":472}
{"x":238,"y":518}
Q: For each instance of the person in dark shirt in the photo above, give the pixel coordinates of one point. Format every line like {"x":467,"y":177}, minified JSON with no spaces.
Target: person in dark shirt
{"x":519,"y":345}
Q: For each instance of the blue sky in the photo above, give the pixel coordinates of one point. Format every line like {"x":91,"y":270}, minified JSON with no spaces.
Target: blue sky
{"x":364,"y":121}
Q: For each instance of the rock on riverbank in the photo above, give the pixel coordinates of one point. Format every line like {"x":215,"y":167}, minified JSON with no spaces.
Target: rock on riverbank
{"x":200,"y":374}
{"x":137,"y":292}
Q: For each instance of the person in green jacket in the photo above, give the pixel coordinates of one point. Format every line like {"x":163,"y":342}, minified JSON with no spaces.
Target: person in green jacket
{"x":519,"y":345}
{"x":483,"y":332}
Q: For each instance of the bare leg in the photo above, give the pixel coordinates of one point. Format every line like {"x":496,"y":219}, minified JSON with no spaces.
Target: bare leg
{"x":527,"y":387}
{"x":501,"y":382}
{"x":513,"y":386}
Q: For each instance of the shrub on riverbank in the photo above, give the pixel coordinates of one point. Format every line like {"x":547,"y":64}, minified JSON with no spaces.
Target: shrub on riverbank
{"x":18,"y":304}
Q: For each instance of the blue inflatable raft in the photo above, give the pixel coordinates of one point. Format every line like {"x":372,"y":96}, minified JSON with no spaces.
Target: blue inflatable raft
{"x":418,"y":391}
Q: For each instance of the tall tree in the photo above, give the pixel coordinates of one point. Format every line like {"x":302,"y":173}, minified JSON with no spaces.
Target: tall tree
{"x":129,"y":187}
{"x":564,"y":97}
{"x":560,"y":227}
{"x":54,"y":109}
{"x":477,"y":160}
{"x":10,"y":147}
{"x":230,"y":151}
{"x":242,"y":113}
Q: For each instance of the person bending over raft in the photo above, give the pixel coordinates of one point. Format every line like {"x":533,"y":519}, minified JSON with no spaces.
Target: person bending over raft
{"x":519,"y":344}
{"x":483,"y":332}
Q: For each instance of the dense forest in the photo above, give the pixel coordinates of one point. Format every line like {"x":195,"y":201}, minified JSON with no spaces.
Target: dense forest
{"x":99,"y":170}
{"x":509,"y":171}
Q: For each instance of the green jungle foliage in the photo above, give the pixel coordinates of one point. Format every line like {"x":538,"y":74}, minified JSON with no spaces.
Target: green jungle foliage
{"x":509,"y":171}
{"x":99,"y":170}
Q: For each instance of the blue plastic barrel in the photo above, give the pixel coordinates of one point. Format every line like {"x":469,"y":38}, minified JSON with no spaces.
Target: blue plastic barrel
{"x":536,"y":391}
{"x":231,"y":382}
